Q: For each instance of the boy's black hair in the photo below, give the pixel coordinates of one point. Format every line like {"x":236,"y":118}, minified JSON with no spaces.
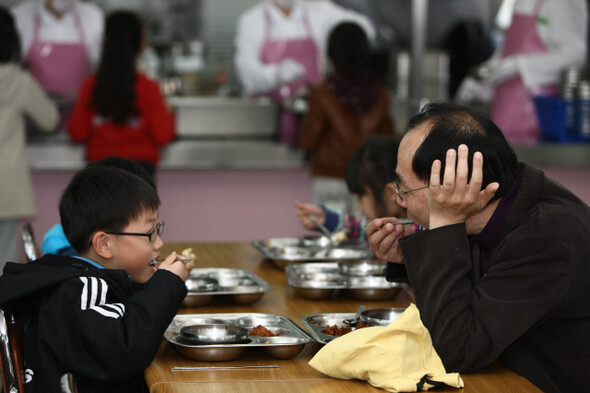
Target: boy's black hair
{"x":103,"y":198}
{"x":452,"y":125}
{"x":372,"y":166}
{"x":9,"y":38}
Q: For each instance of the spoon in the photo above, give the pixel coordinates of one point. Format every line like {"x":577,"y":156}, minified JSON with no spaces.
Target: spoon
{"x":190,"y":368}
{"x":186,"y":260}
{"x":353,"y":322}
{"x":335,"y":238}
{"x":322,"y":228}
{"x":402,"y":221}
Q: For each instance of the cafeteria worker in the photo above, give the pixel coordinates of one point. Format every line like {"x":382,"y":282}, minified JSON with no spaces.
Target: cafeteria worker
{"x":544,"y":38}
{"x":281,"y":46}
{"x":61,"y":42}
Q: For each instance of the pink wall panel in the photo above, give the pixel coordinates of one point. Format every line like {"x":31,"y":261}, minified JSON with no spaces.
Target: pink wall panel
{"x":216,"y":205}
{"x":576,"y":179}
{"x":48,"y":187}
{"x":233,"y":205}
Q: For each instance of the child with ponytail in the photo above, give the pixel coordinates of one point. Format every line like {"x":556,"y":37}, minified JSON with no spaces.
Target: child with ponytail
{"x":120,"y":111}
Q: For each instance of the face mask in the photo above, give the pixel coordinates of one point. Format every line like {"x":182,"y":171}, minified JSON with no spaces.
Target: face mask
{"x":285,"y":3}
{"x":63,"y":6}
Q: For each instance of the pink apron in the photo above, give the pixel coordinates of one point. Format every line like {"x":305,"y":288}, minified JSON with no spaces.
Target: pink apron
{"x":60,"y":68}
{"x":513,"y":108}
{"x":304,"y":51}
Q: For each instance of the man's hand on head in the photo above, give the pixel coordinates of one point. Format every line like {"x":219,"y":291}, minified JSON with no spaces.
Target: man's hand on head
{"x":458,"y":197}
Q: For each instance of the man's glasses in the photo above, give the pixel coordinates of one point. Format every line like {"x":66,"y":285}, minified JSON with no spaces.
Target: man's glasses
{"x":152,"y":235}
{"x":400,"y":193}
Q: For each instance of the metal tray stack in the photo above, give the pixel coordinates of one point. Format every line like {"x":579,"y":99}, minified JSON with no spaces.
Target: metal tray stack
{"x":316,"y":323}
{"x":363,"y":279}
{"x":287,"y":250}
{"x":205,"y":284}
{"x":287,"y":344}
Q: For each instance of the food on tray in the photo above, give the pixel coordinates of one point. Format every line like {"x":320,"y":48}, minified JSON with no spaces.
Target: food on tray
{"x":261,"y":331}
{"x":335,"y":330}
{"x":340,"y":237}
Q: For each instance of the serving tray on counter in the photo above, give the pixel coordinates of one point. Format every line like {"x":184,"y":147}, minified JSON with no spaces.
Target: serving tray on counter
{"x":317,"y":323}
{"x":363,"y":279}
{"x":205,"y":284}
{"x":287,"y":343}
{"x":288,"y":250}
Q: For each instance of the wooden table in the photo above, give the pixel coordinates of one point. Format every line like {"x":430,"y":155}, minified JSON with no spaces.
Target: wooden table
{"x":292,"y":375}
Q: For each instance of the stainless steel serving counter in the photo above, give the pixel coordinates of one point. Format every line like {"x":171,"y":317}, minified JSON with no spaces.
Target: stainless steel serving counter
{"x":266,"y":154}
{"x":555,"y":155}
{"x":238,"y":133}
{"x":180,"y":155}
{"x":213,"y":133}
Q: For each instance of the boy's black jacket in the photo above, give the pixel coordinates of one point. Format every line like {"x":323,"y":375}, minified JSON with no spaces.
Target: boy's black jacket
{"x":106,"y":352}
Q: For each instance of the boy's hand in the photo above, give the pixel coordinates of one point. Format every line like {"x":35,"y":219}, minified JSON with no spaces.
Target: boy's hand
{"x":181,"y":269}
{"x":304,"y":209}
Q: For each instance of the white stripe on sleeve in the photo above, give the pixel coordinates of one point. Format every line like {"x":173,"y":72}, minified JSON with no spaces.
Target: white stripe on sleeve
{"x":94,"y":295}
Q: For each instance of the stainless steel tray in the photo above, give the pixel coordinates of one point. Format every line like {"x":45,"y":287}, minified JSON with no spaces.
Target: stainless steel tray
{"x":204,"y":284}
{"x":288,"y":250}
{"x":363,"y":279}
{"x":287,"y":344}
{"x":315,"y":323}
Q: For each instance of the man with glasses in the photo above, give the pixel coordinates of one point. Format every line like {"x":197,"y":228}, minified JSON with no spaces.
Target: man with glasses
{"x":501,"y":269}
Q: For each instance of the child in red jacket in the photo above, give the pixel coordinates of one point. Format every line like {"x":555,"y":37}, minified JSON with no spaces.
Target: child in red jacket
{"x":120,"y":111}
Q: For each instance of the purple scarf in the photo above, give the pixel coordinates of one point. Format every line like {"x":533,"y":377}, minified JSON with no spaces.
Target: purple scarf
{"x":356,"y":92}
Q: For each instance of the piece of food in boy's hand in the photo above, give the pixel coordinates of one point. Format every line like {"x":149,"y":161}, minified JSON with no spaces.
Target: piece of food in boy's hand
{"x":188,"y":253}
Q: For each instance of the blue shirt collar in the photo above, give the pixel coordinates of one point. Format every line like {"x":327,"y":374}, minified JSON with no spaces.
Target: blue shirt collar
{"x":95,"y":264}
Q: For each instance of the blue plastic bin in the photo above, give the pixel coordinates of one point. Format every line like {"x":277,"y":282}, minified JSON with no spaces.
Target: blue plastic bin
{"x":553,"y":114}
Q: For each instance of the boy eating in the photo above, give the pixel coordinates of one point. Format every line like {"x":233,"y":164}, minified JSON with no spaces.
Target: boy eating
{"x":82,"y":315}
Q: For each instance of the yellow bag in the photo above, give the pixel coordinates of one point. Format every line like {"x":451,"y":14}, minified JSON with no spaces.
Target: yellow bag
{"x":398,"y":358}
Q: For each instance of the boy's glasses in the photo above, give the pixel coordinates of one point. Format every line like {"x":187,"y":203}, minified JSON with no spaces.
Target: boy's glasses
{"x":400,"y":193}
{"x":152,"y":235}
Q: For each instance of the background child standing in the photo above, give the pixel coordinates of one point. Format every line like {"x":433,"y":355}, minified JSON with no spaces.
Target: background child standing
{"x":120,"y":111}
{"x":350,"y":106}
{"x":20,"y":97}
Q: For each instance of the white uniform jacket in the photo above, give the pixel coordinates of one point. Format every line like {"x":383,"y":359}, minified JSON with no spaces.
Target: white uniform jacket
{"x":323,"y":16}
{"x":562,"y":26}
{"x":20,"y":97}
{"x":62,"y":30}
